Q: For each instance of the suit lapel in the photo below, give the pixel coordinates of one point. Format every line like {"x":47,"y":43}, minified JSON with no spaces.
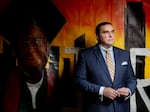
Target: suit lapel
{"x":101,"y":60}
{"x":117,"y":61}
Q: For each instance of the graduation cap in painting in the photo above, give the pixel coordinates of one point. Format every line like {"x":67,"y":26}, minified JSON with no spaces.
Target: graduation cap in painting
{"x":18,"y":14}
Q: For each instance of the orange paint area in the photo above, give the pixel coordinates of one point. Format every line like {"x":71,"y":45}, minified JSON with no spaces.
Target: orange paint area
{"x":82,"y":17}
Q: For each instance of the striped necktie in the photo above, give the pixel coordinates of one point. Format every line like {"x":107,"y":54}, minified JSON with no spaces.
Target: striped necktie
{"x":110,"y":64}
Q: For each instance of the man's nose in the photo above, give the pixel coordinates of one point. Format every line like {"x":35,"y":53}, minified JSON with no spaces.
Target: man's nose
{"x":110,"y":34}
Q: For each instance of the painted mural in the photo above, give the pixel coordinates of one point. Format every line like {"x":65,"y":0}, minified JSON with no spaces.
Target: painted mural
{"x":131,"y":21}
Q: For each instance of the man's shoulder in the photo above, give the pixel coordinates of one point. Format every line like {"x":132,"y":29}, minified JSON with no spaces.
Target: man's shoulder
{"x":120,"y":50}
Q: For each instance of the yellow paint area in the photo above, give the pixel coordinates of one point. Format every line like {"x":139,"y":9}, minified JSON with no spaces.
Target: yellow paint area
{"x":147,"y":59}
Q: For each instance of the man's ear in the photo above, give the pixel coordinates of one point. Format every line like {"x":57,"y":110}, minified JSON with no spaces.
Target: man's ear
{"x":47,"y":56}
{"x":98,"y":38}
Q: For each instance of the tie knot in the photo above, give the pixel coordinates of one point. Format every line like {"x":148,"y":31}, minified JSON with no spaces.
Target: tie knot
{"x":107,"y":51}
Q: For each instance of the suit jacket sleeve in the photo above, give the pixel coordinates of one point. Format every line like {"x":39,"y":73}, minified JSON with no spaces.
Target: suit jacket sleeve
{"x":81,"y":75}
{"x":131,"y":82}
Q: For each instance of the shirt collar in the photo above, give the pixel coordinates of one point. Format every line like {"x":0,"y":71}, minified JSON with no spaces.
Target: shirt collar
{"x":104,"y":49}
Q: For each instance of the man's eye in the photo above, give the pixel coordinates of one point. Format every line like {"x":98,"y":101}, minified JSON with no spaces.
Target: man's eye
{"x":105,"y":31}
{"x":112,"y":31}
{"x":37,"y":41}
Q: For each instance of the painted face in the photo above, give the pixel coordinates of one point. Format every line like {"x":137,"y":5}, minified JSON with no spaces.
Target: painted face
{"x":106,"y":36}
{"x":33,"y":49}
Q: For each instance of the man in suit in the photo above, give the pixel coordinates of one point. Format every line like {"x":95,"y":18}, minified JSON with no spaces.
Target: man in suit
{"x":103,"y":92}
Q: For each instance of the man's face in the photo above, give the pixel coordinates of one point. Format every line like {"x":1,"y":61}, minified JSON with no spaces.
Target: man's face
{"x":33,"y":49}
{"x":106,"y":35}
